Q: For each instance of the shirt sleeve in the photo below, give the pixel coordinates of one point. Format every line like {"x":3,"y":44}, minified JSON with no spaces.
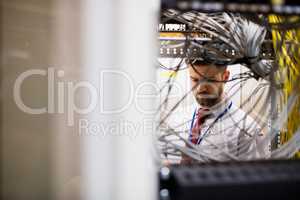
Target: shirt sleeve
{"x":249,"y":145}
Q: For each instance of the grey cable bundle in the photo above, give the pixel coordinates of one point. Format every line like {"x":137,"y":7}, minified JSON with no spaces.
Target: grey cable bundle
{"x":242,"y":35}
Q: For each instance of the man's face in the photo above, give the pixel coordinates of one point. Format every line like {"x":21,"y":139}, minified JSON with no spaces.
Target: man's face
{"x":205,"y":79}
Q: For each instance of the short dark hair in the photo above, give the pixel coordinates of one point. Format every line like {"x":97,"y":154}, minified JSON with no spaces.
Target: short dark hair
{"x":199,"y":62}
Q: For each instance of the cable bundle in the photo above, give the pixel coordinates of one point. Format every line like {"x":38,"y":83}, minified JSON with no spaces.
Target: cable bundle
{"x":229,"y":32}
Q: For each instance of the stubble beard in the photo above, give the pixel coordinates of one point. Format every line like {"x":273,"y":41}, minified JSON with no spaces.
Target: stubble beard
{"x":209,"y":101}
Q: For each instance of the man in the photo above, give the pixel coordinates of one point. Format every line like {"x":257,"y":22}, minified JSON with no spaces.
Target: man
{"x":221,"y":130}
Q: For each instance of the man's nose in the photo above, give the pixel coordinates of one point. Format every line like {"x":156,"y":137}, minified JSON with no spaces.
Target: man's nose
{"x":202,"y":87}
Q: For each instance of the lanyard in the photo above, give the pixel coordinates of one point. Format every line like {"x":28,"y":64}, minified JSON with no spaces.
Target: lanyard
{"x":206,"y":132}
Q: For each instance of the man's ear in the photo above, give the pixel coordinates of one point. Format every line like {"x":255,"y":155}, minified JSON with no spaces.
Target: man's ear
{"x":226,"y":75}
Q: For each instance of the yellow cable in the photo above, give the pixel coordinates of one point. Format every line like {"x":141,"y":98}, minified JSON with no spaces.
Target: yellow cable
{"x":288,"y":57}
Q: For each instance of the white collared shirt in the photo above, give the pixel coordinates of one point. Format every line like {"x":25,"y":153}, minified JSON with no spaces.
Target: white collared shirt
{"x":235,"y":128}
